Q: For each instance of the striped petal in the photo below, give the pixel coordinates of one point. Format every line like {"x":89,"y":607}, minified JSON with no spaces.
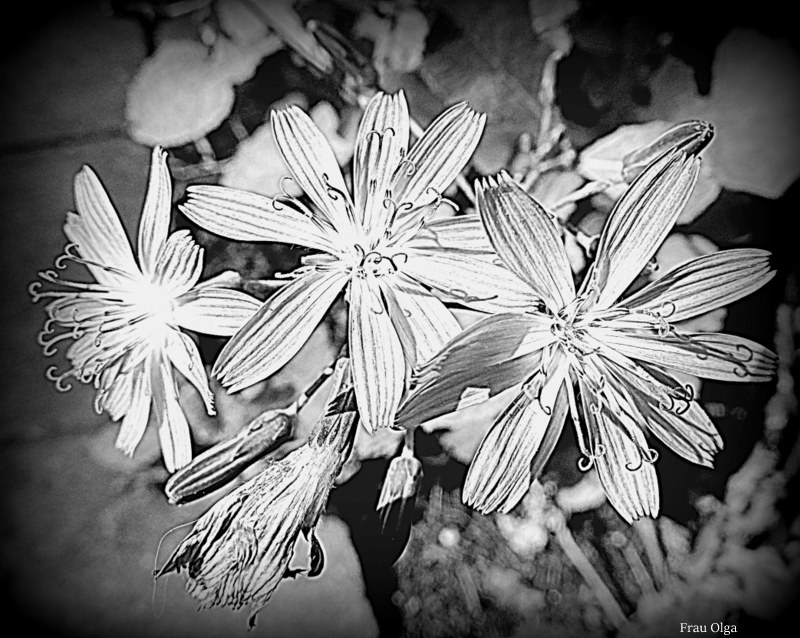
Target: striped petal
{"x":382,"y":142}
{"x":706,"y":283}
{"x":431,"y":323}
{"x":639,"y":223}
{"x":376,"y":354}
{"x":630,"y":482}
{"x":278,"y":330}
{"x":526,"y":239}
{"x":173,"y":430}
{"x":470,"y":279}
{"x":215,"y":311}
{"x":464,"y":232}
{"x":500,"y":473}
{"x":154,"y":224}
{"x":313,"y":165}
{"x":137,"y":413}
{"x":97,"y":230}
{"x":179,"y":263}
{"x":709,"y":355}
{"x":438,"y":157}
{"x":485,"y":359}
{"x":182,"y":352}
{"x":244,"y":216}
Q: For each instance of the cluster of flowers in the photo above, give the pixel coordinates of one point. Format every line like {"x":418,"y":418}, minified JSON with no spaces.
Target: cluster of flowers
{"x":581,"y":350}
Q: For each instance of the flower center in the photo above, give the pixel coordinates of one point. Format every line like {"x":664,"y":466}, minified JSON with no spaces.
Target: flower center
{"x":378,"y":263}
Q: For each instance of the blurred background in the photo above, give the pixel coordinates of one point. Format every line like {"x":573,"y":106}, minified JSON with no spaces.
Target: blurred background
{"x":570,"y":87}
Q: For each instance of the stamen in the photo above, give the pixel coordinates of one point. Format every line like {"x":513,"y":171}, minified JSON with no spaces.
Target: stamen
{"x":285,"y":193}
{"x":49,"y":349}
{"x":58,"y":379}
{"x":748,"y":351}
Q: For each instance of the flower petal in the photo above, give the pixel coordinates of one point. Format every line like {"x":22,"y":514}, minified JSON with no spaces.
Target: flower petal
{"x":182,"y":352}
{"x":706,"y":283}
{"x":382,"y":142}
{"x":629,"y":481}
{"x":500,"y":474}
{"x":681,"y":424}
{"x":711,"y":355}
{"x":438,"y":157}
{"x":244,"y":216}
{"x":173,"y":431}
{"x":97,"y":230}
{"x":154,"y":224}
{"x":470,"y":279}
{"x":465,"y":233}
{"x":179,"y":263}
{"x":377,"y":356}
{"x":215,"y":311}
{"x":278,"y":330}
{"x":431,"y":323}
{"x":526,"y":239}
{"x":491,"y":355}
{"x":639,"y":223}
{"x":137,"y":412}
{"x":313,"y":165}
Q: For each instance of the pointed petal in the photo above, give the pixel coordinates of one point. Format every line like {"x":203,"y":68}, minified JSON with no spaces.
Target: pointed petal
{"x":710,"y":355}
{"x":278,"y":330}
{"x":465,"y":233}
{"x":706,"y":283}
{"x":630,"y":482}
{"x":526,"y":239}
{"x":179,"y":263}
{"x":173,"y":430}
{"x":377,"y":357}
{"x":154,"y":224}
{"x":491,"y":355}
{"x":432,"y":324}
{"x":97,"y":230}
{"x":470,"y":279}
{"x":381,"y":144}
{"x":215,"y":311}
{"x":639,"y":223}
{"x":313,"y":165}
{"x":137,"y":414}
{"x":682,"y":425}
{"x":500,"y":474}
{"x":244,"y":216}
{"x":184,"y":355}
{"x":438,"y":157}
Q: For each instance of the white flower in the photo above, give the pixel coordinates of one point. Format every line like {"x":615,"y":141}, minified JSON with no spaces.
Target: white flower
{"x":618,"y":354}
{"x":380,"y":246}
{"x":126,"y":324}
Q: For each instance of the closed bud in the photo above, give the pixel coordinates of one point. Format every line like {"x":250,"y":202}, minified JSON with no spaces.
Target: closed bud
{"x":402,"y":479}
{"x":690,"y":137}
{"x":226,"y":460}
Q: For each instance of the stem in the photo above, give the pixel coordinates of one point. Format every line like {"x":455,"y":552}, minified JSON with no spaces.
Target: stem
{"x":310,"y":390}
{"x":604,"y":596}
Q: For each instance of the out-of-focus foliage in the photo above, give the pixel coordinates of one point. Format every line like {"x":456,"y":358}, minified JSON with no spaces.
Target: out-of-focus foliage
{"x":753,"y":103}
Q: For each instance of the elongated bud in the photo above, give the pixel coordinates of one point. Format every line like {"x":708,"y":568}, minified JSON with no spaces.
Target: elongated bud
{"x":691,"y":137}
{"x":357,"y":68}
{"x":226,"y":460}
{"x":402,"y":479}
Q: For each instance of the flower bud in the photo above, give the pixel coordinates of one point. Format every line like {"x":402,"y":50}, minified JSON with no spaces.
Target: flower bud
{"x":690,"y":137}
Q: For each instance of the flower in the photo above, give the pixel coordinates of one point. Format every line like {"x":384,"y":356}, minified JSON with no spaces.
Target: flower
{"x":239,"y":551}
{"x":126,"y":323}
{"x":618,"y":354}
{"x":379,"y":246}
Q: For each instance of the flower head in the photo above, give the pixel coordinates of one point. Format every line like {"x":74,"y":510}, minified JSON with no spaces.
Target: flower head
{"x":240,"y":550}
{"x":126,"y":323}
{"x":606,"y":362}
{"x":378,"y":245}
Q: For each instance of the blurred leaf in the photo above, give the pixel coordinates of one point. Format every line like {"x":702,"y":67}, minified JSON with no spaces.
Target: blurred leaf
{"x":399,"y":39}
{"x":480,"y":67}
{"x":753,"y":104}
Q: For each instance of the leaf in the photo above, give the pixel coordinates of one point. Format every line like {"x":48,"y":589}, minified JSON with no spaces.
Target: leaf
{"x":480,"y":67}
{"x":753,"y":105}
